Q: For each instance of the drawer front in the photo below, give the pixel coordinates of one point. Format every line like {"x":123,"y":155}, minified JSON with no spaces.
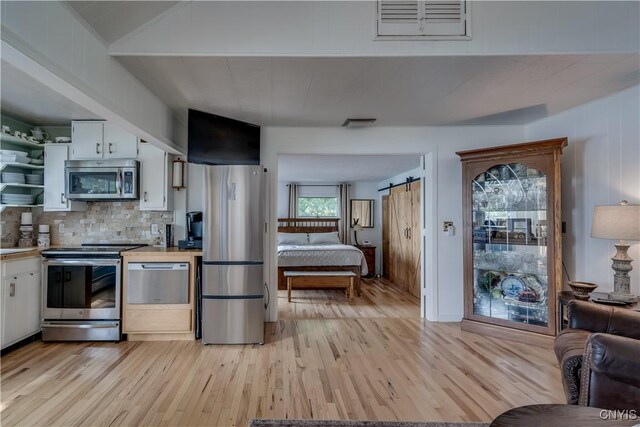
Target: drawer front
{"x":158,"y":283}
{"x":157,"y":321}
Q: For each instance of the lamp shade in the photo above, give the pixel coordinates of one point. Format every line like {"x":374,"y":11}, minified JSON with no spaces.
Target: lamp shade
{"x":620,"y":222}
{"x":357,"y":227}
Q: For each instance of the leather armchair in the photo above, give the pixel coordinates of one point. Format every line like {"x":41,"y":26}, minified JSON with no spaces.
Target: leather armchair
{"x":599,"y":356}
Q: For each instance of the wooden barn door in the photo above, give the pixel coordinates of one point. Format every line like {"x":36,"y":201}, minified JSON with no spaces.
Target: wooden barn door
{"x":403,"y":253}
{"x":413,"y":279}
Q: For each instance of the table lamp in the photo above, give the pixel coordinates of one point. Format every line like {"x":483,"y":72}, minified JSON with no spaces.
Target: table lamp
{"x":356,"y":227}
{"x":620,"y":222}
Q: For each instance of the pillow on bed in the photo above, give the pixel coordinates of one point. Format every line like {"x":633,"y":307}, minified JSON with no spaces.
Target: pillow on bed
{"x":293,"y":239}
{"x":316,"y":238}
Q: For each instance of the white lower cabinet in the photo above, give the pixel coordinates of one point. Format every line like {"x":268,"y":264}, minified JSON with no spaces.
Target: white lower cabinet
{"x":54,"y":179}
{"x":21,"y":293}
{"x":156,"y":193}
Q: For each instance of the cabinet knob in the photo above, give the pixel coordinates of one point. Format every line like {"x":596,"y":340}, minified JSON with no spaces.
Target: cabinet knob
{"x":62,"y":198}
{"x":12,"y":289}
{"x":97,"y":148}
{"x":146,"y":199}
{"x":110,"y":148}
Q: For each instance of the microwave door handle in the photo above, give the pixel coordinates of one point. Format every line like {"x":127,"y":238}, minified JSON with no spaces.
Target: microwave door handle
{"x":119,"y":182}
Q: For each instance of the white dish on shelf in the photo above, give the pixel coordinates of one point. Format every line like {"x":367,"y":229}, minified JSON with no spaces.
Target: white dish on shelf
{"x":10,"y":158}
{"x":17,"y":202}
{"x":13,"y":178}
{"x":37,"y":161}
{"x":36,"y":180}
{"x":14,"y":152}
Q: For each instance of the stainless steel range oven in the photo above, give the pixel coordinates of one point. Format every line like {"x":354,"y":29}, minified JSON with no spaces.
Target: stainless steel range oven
{"x":82,"y":293}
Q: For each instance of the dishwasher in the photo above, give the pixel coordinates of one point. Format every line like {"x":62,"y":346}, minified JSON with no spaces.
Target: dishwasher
{"x":158,"y":283}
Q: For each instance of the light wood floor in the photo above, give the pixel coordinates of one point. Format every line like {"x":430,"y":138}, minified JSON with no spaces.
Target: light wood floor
{"x":379,"y":299}
{"x":374,"y":367}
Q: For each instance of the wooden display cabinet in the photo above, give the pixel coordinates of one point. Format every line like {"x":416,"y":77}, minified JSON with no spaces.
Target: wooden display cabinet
{"x":512,"y":239}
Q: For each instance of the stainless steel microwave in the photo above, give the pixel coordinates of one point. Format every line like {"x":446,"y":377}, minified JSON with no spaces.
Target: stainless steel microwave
{"x":102,"y":179}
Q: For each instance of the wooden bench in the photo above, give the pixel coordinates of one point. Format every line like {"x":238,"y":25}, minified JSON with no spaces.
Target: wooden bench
{"x":321,"y":280}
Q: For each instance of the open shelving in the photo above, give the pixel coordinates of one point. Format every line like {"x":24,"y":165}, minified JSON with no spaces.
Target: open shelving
{"x":14,"y":143}
{"x":19,"y":142}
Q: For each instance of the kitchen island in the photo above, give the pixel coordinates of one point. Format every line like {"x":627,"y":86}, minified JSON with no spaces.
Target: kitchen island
{"x":150,"y":321}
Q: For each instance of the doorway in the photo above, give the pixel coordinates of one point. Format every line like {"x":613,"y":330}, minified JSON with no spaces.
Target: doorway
{"x":304,"y":179}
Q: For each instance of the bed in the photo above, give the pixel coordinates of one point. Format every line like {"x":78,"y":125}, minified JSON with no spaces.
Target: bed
{"x":317,"y":257}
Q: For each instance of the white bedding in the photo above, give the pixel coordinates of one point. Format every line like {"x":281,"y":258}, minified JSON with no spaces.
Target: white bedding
{"x":321,"y":255}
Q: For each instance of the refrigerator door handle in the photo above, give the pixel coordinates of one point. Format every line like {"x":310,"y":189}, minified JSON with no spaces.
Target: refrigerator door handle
{"x":232,"y":191}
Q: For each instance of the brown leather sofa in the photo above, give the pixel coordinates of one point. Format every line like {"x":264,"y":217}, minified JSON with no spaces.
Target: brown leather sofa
{"x":599,"y":356}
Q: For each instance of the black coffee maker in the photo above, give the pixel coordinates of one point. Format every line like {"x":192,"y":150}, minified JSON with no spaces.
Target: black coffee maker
{"x":194,"y":231}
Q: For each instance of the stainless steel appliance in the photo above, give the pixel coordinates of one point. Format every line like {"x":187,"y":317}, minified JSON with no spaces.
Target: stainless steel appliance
{"x":158,"y":283}
{"x":232,"y":282}
{"x":81,"y":293}
{"x":194,"y":231}
{"x":102,"y":179}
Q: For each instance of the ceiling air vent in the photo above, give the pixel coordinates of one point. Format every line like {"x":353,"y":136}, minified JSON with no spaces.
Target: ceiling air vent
{"x":423,"y":20}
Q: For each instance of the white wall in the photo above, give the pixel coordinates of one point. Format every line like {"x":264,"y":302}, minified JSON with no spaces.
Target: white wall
{"x":442,"y":141}
{"x":344,"y":28}
{"x":601,"y":165}
{"x":45,"y":40}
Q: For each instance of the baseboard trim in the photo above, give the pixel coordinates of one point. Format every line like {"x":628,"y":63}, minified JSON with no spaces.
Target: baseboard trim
{"x":450,"y":318}
{"x":526,"y":337}
{"x":21,"y":343}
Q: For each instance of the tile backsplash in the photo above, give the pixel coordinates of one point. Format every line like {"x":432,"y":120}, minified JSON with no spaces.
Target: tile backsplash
{"x":102,"y":222}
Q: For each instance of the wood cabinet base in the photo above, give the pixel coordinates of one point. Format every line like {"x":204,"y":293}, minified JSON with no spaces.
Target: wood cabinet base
{"x":159,"y":322}
{"x":187,"y":336}
{"x":507,"y":333}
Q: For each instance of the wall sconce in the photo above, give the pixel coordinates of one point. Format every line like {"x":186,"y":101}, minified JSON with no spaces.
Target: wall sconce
{"x":178,"y":174}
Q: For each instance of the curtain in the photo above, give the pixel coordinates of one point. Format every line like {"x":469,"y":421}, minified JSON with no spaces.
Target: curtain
{"x":344,"y":228}
{"x":293,"y":200}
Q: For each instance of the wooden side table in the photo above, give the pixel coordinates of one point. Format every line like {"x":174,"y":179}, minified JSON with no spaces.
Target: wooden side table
{"x":369,"y":256}
{"x":566,"y":296}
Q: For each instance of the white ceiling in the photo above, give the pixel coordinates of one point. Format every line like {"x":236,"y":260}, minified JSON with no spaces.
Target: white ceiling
{"x":28,"y":100}
{"x":113,"y":20}
{"x":303,"y":168}
{"x":401,"y":91}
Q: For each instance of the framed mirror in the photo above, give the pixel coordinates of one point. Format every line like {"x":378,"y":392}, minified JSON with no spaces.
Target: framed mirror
{"x":362,"y":211}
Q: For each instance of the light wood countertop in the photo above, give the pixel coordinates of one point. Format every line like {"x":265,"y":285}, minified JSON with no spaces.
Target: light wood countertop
{"x":33,"y":251}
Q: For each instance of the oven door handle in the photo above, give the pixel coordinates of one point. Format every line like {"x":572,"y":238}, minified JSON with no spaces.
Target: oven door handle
{"x":79,"y":325}
{"x":89,"y":262}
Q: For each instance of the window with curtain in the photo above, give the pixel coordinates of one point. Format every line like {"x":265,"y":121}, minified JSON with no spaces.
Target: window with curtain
{"x":318,"y":201}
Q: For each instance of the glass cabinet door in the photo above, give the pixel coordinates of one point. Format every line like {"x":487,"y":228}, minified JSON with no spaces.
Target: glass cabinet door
{"x":510,"y":276}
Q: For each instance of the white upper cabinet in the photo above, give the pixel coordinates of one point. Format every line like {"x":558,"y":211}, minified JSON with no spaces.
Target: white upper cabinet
{"x":118,"y":143}
{"x":156,"y":193}
{"x":54,"y":179}
{"x":87,"y":140}
{"x":92,"y":140}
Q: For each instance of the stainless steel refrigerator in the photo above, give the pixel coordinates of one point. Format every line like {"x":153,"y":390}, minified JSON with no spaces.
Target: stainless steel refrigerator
{"x":232,"y":271}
